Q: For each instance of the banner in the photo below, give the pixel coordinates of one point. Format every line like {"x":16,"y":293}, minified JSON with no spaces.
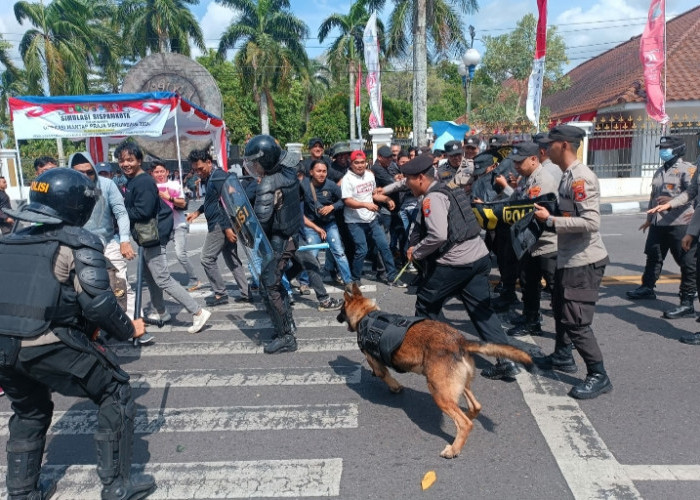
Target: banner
{"x":49,"y":120}
{"x":652,"y":53}
{"x":358,"y":108}
{"x":374,"y":87}
{"x":536,"y":81}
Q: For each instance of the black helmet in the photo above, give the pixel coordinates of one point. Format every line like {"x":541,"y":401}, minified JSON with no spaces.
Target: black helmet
{"x":59,"y":195}
{"x":264,"y":150}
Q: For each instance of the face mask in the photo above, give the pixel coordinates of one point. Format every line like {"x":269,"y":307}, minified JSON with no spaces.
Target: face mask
{"x":666,"y":154}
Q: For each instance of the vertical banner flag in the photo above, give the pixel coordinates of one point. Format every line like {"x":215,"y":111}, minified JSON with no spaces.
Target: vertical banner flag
{"x":534,"y":85}
{"x":358,"y":115}
{"x":374,"y":87}
{"x":653,"y":55}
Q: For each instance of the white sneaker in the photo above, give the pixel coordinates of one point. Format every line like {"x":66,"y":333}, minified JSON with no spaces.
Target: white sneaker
{"x":199,"y":320}
{"x":156,"y":316}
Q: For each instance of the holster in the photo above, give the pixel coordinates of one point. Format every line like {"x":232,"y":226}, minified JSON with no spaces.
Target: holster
{"x":9,"y":350}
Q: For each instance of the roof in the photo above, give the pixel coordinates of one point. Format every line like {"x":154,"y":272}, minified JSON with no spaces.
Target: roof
{"x":617,"y":76}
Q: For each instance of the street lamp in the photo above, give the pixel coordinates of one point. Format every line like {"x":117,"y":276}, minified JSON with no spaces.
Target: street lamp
{"x":466,"y":69}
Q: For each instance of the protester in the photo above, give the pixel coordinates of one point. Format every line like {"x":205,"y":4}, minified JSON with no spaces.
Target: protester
{"x":44,"y":163}
{"x":6,"y":222}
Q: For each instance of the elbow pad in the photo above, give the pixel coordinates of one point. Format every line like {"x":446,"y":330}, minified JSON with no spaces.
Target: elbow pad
{"x":105,"y":312}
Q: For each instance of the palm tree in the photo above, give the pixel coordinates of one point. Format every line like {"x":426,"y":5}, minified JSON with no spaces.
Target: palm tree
{"x":317,"y":80}
{"x":434,"y":20}
{"x":347,"y":49}
{"x":272,"y":51}
{"x":158,"y":26}
{"x":11,"y":83}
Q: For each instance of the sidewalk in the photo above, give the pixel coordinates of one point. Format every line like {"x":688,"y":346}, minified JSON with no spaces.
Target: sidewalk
{"x":624,"y":204}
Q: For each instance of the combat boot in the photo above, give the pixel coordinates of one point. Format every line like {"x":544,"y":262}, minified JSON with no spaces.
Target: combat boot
{"x":527,"y":324}
{"x":24,"y":469}
{"x":504,"y":301}
{"x":504,"y":368}
{"x":642,"y":292}
{"x":685,"y":309}
{"x":561,"y":360}
{"x":596,"y":383}
{"x":282,"y":343}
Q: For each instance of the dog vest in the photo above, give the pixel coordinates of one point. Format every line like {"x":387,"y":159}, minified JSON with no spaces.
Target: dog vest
{"x":379,"y":334}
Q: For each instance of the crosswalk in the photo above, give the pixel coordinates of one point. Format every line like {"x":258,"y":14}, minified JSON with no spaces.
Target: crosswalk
{"x":226,"y":356}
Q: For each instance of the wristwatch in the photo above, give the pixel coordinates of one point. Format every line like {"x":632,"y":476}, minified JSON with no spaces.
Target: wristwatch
{"x":550,"y":221}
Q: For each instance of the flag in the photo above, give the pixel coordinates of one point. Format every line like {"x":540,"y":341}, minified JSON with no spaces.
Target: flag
{"x":534,"y":85}
{"x":358,"y":115}
{"x":653,"y":55}
{"x":374,"y":87}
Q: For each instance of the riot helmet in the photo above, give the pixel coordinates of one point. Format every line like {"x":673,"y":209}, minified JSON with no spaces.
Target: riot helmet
{"x":59,"y":195}
{"x":263,"y":155}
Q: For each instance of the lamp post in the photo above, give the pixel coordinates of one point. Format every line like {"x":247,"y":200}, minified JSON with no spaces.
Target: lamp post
{"x":466,"y":69}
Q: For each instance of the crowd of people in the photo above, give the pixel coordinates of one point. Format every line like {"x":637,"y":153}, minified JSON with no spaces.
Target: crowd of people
{"x":417,"y":207}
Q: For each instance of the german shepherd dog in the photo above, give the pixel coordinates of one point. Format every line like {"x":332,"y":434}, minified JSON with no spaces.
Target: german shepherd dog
{"x":439,"y":352}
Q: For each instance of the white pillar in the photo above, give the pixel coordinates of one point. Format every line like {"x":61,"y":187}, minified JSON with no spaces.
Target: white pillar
{"x":587,"y":127}
{"x":380,"y":137}
{"x":294,"y":147}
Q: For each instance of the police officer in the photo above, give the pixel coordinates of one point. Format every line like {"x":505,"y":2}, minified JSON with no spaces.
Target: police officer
{"x":581,"y":261}
{"x":667,"y":227}
{"x":541,"y":259}
{"x":455,"y":154}
{"x":59,"y":298}
{"x":277,"y":206}
{"x":455,"y":260}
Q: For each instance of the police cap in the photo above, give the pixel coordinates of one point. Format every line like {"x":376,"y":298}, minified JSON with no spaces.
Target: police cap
{"x":471,"y":141}
{"x":524,"y":150}
{"x":497,"y":141}
{"x":670,"y":141}
{"x":482,"y":162}
{"x":567,"y":133}
{"x":537,"y":138}
{"x":453,"y":148}
{"x":418,"y":165}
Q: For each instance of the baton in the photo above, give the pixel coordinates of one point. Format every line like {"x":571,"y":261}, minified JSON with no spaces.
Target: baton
{"x":315,"y":246}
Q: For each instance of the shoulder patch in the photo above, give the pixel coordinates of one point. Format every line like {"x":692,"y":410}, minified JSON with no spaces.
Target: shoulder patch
{"x":426,"y":207}
{"x":691,"y":171}
{"x":578,"y":187}
{"x":534,"y":192}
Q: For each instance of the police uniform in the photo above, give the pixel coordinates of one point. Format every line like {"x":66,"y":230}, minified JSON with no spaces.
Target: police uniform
{"x":674,"y":178}
{"x":445,"y":172}
{"x":581,"y":261}
{"x":455,"y":261}
{"x":60,"y":296}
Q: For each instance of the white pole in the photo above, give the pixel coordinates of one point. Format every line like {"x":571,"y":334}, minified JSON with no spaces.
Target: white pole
{"x":19,"y":168}
{"x":177,"y":142}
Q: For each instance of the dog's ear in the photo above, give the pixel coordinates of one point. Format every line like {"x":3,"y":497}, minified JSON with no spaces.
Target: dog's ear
{"x":356,"y":290}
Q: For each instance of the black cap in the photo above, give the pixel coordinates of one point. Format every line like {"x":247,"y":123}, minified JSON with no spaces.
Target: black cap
{"x":453,"y":148}
{"x":384,"y":152}
{"x":538,"y":137}
{"x":419,"y":164}
{"x":471,"y":141}
{"x":424,"y":150}
{"x":670,"y":141}
{"x":524,"y":150}
{"x":315,"y":140}
{"x":482,"y":162}
{"x":567,"y":133}
{"x":497,"y":141}
{"x":341,"y":147}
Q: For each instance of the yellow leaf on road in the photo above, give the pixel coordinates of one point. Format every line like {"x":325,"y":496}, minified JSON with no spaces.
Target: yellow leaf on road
{"x":428,"y":480}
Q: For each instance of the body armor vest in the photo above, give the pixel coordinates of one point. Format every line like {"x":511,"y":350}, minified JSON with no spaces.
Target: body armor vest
{"x":379,"y":334}
{"x":461,"y":222}
{"x":287,"y":219}
{"x":36,"y":300}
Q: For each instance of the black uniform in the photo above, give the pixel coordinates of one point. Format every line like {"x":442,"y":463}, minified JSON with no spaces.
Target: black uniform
{"x":60,"y":296}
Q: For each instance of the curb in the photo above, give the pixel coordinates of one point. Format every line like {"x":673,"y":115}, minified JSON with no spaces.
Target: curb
{"x":624,"y":207}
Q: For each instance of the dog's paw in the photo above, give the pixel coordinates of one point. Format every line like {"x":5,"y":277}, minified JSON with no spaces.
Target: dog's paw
{"x":397,"y":389}
{"x":448,"y":453}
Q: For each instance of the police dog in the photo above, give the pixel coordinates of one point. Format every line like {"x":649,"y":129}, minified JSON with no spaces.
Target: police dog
{"x":439,"y":352}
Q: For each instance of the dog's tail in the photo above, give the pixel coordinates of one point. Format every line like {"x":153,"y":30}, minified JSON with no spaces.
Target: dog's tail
{"x":498,"y":351}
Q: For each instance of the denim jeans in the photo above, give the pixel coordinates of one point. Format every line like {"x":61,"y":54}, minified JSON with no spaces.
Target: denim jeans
{"x":336,"y":247}
{"x":361,"y":232}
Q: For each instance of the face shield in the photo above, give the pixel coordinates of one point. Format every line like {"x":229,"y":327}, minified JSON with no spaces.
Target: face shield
{"x":252,"y":164}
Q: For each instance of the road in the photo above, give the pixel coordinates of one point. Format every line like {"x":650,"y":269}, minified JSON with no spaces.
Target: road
{"x":217,"y":418}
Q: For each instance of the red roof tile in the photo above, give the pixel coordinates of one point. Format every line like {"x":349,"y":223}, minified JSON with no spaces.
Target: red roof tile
{"x":617,"y":77}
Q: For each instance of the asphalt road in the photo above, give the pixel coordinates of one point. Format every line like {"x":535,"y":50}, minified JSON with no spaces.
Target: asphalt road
{"x":217,"y":418}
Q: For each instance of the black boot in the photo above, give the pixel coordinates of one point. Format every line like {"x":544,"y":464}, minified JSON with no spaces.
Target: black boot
{"x":685,"y":309}
{"x":282,"y":343}
{"x":561,"y":360}
{"x":642,"y":292}
{"x":504,"y":368}
{"x":595,"y":384}
{"x":23,"y":471}
{"x":504,"y":301}
{"x":527,"y":324}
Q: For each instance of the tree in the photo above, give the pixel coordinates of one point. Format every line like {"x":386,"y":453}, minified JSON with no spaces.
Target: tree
{"x":346,"y":50}
{"x":159,"y":26}
{"x":272,"y":53}
{"x":501,"y":81}
{"x":11,"y":83}
{"x":434,"y":20}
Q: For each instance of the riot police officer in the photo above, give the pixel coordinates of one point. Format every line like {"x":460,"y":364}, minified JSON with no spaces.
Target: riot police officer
{"x":277,"y":206}
{"x":60,"y":296}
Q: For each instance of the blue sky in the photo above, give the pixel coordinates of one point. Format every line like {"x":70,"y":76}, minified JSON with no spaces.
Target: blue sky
{"x":589,"y":26}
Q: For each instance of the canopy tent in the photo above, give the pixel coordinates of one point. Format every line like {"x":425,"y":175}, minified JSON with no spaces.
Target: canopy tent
{"x":110,"y":118}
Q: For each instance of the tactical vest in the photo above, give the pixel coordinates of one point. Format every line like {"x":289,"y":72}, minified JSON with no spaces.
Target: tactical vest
{"x":379,"y":334}
{"x":461,"y":222}
{"x":33,"y":300}
{"x":287,"y":218}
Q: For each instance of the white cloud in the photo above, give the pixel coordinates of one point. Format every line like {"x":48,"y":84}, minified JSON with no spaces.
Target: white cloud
{"x":11,"y":30}
{"x":213,"y":23}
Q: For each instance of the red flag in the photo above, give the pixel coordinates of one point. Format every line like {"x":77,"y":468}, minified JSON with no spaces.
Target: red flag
{"x":653,"y":55}
{"x":358,"y":85}
{"x":536,"y":81}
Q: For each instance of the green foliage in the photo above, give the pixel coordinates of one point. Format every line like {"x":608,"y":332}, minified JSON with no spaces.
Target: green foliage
{"x":329,"y":119}
{"x":289,"y":125}
{"x":30,"y":150}
{"x":397,"y":113}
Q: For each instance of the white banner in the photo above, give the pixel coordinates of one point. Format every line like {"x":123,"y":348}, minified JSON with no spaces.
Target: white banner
{"x":42,"y":119}
{"x":374,"y":86}
{"x":534,"y":92}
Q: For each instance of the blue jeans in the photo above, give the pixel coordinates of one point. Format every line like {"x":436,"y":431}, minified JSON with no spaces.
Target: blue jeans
{"x":335,"y":246}
{"x":373,"y":231}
